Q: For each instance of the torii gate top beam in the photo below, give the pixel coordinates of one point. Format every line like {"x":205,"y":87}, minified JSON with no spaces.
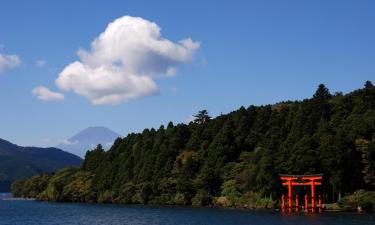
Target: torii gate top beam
{"x":307,"y":177}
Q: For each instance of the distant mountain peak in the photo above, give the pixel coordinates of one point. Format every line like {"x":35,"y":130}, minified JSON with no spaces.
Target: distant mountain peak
{"x":88,"y":138}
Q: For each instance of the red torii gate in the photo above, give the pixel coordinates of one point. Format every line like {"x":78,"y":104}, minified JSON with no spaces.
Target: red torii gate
{"x":301,"y":180}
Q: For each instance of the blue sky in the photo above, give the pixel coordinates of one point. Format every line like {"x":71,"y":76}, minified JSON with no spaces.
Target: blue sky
{"x":250,"y":52}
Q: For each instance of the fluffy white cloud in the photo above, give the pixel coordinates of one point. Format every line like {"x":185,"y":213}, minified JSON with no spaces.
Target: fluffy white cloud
{"x":40,"y":63}
{"x":8,"y":62}
{"x":44,"y":94}
{"x":124,"y":61}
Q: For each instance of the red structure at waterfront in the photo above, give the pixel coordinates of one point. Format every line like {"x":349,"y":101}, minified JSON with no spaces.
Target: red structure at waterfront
{"x":301,"y":180}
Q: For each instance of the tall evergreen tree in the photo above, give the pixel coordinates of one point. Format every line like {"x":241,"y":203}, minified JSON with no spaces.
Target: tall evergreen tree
{"x":202,"y":117}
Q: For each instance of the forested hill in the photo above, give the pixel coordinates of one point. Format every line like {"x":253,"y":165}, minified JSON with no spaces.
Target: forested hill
{"x":231,"y":159}
{"x":19,"y":162}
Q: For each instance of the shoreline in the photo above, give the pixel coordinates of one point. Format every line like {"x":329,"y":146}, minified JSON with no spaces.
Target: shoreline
{"x":17,"y":199}
{"x":192,"y":206}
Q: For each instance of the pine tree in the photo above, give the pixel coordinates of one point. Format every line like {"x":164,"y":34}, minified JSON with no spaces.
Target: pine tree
{"x":369,"y":85}
{"x":322,"y":93}
{"x":202,"y":117}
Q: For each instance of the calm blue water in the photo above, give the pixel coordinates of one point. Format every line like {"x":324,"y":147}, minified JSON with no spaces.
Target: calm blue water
{"x":39,"y":213}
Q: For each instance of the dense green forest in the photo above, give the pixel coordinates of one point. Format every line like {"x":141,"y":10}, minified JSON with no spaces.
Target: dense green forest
{"x":233,"y":159}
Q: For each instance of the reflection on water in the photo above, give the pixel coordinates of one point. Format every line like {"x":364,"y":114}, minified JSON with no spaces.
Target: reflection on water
{"x":33,"y":212}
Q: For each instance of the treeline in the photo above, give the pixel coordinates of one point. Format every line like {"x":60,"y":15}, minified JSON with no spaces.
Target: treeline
{"x":233,"y":159}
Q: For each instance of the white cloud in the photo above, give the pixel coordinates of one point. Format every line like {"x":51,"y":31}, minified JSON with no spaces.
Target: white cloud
{"x":124,"y":61}
{"x":9,"y":62}
{"x":44,"y":94}
{"x":48,"y":142}
{"x":40,"y":63}
{"x":67,"y":142}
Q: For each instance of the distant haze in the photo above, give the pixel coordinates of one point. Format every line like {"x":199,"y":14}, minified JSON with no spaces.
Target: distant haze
{"x":88,"y":139}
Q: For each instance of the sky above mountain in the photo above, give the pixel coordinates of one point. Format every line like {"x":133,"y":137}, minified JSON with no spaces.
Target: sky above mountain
{"x":130,"y":65}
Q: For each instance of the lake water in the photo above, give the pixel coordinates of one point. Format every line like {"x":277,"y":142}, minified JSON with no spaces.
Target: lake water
{"x":33,"y":212}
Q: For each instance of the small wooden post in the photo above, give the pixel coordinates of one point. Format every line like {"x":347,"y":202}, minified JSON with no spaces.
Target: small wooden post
{"x":306,"y":204}
{"x":283,"y":202}
{"x":297,"y":204}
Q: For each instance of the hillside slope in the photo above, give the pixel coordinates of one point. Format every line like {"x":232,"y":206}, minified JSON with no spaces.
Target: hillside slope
{"x":233,"y":159}
{"x":19,"y":162}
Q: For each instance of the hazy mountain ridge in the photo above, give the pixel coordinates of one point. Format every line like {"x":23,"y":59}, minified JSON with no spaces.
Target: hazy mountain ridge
{"x":19,"y":162}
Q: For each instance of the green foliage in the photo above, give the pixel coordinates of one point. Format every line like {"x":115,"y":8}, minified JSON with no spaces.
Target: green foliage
{"x":180,"y":199}
{"x":233,"y":159}
{"x":230,"y":191}
{"x":32,"y":187}
{"x":93,"y":158}
{"x":69,"y":184}
{"x":56,"y":185}
{"x":201,"y":198}
{"x":80,"y":189}
{"x":106,"y":197}
{"x":364,"y":200}
{"x":367,"y":148}
{"x":254,"y":200}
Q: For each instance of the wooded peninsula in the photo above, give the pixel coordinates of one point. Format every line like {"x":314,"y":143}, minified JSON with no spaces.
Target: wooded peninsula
{"x":233,"y":159}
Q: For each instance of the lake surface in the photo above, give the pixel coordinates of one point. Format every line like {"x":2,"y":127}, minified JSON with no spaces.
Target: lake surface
{"x":39,"y":213}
